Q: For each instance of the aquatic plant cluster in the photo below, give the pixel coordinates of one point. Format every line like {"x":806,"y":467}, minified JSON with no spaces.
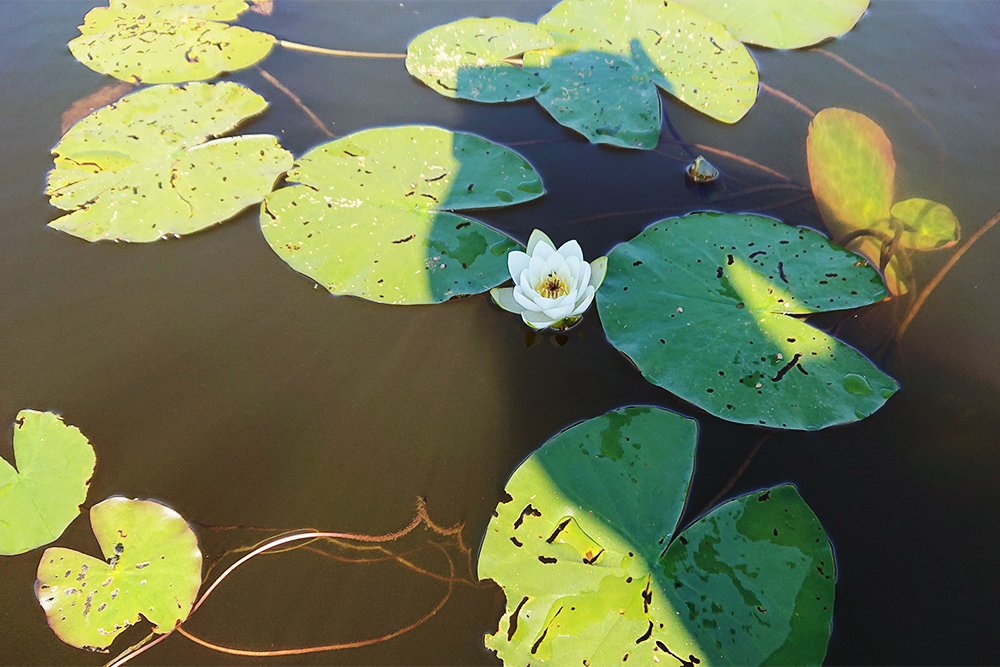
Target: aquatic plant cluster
{"x":588,"y":549}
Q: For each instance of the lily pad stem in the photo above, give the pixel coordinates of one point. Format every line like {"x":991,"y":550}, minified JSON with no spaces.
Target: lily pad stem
{"x":915,"y":308}
{"x":337,"y":52}
{"x":299,"y":103}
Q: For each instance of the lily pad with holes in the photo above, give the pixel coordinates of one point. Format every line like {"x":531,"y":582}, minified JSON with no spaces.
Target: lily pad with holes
{"x":610,"y":53}
{"x":707,"y":306}
{"x":43,"y":495}
{"x":371,"y":214}
{"x":596,"y":571}
{"x":852,"y":172}
{"x":161,"y":41}
{"x":465,"y":59}
{"x":783,"y":24}
{"x":139,"y":170}
{"x":151,"y":567}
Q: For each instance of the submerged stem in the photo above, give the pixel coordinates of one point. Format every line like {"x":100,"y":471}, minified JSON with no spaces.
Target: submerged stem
{"x":915,"y":308}
{"x":299,"y":103}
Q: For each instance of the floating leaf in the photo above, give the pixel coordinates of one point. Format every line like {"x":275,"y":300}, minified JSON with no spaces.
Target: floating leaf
{"x":927,"y":225}
{"x":705,"y":304}
{"x":852,"y":172}
{"x":578,"y":549}
{"x":783,"y":24}
{"x":690,"y":56}
{"x":151,"y":567}
{"x":371,"y":213}
{"x":162,"y":41}
{"x":465,"y":59}
{"x":40,"y":498}
{"x":135,"y":171}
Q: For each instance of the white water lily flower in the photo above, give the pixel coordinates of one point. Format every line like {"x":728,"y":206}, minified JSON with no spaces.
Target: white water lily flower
{"x":552,"y":288}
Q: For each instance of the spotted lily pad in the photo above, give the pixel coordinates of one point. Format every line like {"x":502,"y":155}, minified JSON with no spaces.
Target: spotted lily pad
{"x":783,"y":24}
{"x":163,"y":41}
{"x":609,"y":54}
{"x":465,"y":59}
{"x":371,"y":214}
{"x":138,"y":170}
{"x":596,"y":570}
{"x":40,"y":498}
{"x":706,"y":306}
{"x":151,"y":567}
{"x":852,"y":171}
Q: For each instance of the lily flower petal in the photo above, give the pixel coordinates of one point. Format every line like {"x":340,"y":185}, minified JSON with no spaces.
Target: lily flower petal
{"x":504,"y":297}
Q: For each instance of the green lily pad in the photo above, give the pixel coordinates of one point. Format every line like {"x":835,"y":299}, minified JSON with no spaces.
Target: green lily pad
{"x":40,"y":498}
{"x":138,"y":170}
{"x":159,"y":41}
{"x":371,"y":214}
{"x":705,"y":304}
{"x":783,"y":24}
{"x":595,"y":572}
{"x":686,"y":54}
{"x":151,"y":567}
{"x":465,"y":59}
{"x":927,"y":225}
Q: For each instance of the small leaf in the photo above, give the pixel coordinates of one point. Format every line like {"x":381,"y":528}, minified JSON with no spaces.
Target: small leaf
{"x":160,"y":41}
{"x":40,"y":498}
{"x":151,"y":567}
{"x":927,"y":225}
{"x":594,"y":572}
{"x":465,"y":59}
{"x":371,"y":214}
{"x":135,"y":171}
{"x":703,"y":305}
{"x":783,"y":24}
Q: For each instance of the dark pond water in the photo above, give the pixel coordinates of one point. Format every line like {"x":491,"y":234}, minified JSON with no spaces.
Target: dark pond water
{"x":212,"y":377}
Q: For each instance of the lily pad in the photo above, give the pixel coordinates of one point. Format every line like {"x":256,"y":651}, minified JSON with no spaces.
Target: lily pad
{"x":40,"y":498}
{"x":371,"y":214}
{"x":686,"y":54}
{"x":465,"y":59}
{"x":852,"y":171}
{"x":595,"y":571}
{"x":151,"y":567}
{"x":138,"y":170}
{"x":159,"y":41}
{"x":783,"y":24}
{"x":706,"y":306}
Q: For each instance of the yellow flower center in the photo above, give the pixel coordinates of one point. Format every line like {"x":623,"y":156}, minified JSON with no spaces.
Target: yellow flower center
{"x":552,"y":287}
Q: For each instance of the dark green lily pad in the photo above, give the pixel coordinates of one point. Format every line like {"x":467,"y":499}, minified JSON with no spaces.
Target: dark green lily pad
{"x":138,"y":170}
{"x":42,"y":497}
{"x":594,"y":570}
{"x":783,"y":24}
{"x":161,"y":41}
{"x":465,"y":59}
{"x":151,"y":567}
{"x":705,"y":306}
{"x":371,"y":214}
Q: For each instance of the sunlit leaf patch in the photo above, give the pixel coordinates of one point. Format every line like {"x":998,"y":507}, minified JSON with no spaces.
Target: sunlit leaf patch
{"x":783,"y":24}
{"x":706,"y":306}
{"x":151,"y":567}
{"x":139,"y":170}
{"x":465,"y":59}
{"x":595,"y":571}
{"x":163,"y":41}
{"x":852,"y":171}
{"x":372,"y":214}
{"x":43,"y":495}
